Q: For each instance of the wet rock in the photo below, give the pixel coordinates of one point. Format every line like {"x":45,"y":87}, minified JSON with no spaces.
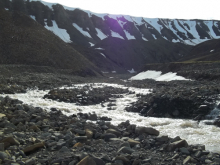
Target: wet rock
{"x":147,"y":130}
{"x":92,"y":117}
{"x":112,"y":131}
{"x":184,"y":150}
{"x":177,"y":144}
{"x":163,"y":138}
{"x":198,"y":154}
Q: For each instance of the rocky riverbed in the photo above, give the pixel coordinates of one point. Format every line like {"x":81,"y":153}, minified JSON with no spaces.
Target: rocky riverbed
{"x":33,"y":135}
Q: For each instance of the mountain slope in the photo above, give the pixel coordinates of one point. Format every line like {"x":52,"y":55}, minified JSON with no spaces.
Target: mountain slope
{"x":85,"y":27}
{"x":24,"y":41}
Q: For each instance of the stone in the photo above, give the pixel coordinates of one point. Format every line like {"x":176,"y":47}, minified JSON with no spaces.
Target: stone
{"x":2,"y":147}
{"x":208,"y":161}
{"x":87,"y":161}
{"x":78,"y":145}
{"x":198,"y":154}
{"x":176,"y":113}
{"x":184,"y":150}
{"x":89,"y":133}
{"x":81,"y":138}
{"x":177,"y":144}
{"x":80,"y":132}
{"x":92,"y":117}
{"x":175,"y":156}
{"x":31,"y":161}
{"x":216,"y":160}
{"x":64,"y":149}
{"x":136,"y":162}
{"x":187,"y":160}
{"x":147,"y":130}
{"x":123,"y":159}
{"x":125,"y":144}
{"x":98,"y":161}
{"x":3,"y":155}
{"x":8,"y":141}
{"x":107,"y":136}
{"x":114,"y":139}
{"x":133,"y":142}
{"x":35,"y":128}
{"x":177,"y":138}
{"x":126,"y":150}
{"x":112,"y":131}
{"x":163,"y":138}
{"x":2,"y":115}
{"x":33,"y":147}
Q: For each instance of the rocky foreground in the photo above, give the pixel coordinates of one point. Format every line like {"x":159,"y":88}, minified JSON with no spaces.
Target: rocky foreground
{"x":30,"y":135}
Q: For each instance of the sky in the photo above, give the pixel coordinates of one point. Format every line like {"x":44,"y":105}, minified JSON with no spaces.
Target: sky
{"x":182,"y":9}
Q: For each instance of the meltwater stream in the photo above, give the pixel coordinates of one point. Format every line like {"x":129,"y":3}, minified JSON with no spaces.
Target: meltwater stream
{"x":192,"y":131}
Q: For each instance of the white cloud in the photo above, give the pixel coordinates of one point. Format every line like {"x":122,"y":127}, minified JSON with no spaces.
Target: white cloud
{"x":187,"y":9}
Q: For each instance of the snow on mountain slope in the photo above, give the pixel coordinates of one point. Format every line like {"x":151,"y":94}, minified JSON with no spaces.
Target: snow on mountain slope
{"x":62,"y":33}
{"x":102,"y":26}
{"x":100,"y":34}
{"x":115,"y":34}
{"x":129,"y":36}
{"x":154,"y":22}
{"x":85,"y":33}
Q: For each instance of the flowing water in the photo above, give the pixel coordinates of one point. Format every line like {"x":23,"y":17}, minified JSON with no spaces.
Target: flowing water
{"x":192,"y":131}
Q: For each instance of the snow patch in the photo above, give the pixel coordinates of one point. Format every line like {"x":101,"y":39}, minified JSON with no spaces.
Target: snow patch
{"x":91,"y":44}
{"x":138,"y":20}
{"x":174,"y":40}
{"x":154,"y":36}
{"x":157,"y":75}
{"x":132,"y":71}
{"x":144,"y":38}
{"x":62,"y":33}
{"x":100,"y":34}
{"x":115,"y":34}
{"x":103,"y":55}
{"x":33,"y":17}
{"x":85,"y":33}
{"x":154,"y":23}
{"x":100,"y":48}
{"x":129,"y":36}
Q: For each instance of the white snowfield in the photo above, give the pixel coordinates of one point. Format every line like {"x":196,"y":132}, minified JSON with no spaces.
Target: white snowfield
{"x":157,"y":75}
{"x":85,"y":33}
{"x":62,"y":33}
{"x":115,"y":34}
{"x":100,"y":34}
